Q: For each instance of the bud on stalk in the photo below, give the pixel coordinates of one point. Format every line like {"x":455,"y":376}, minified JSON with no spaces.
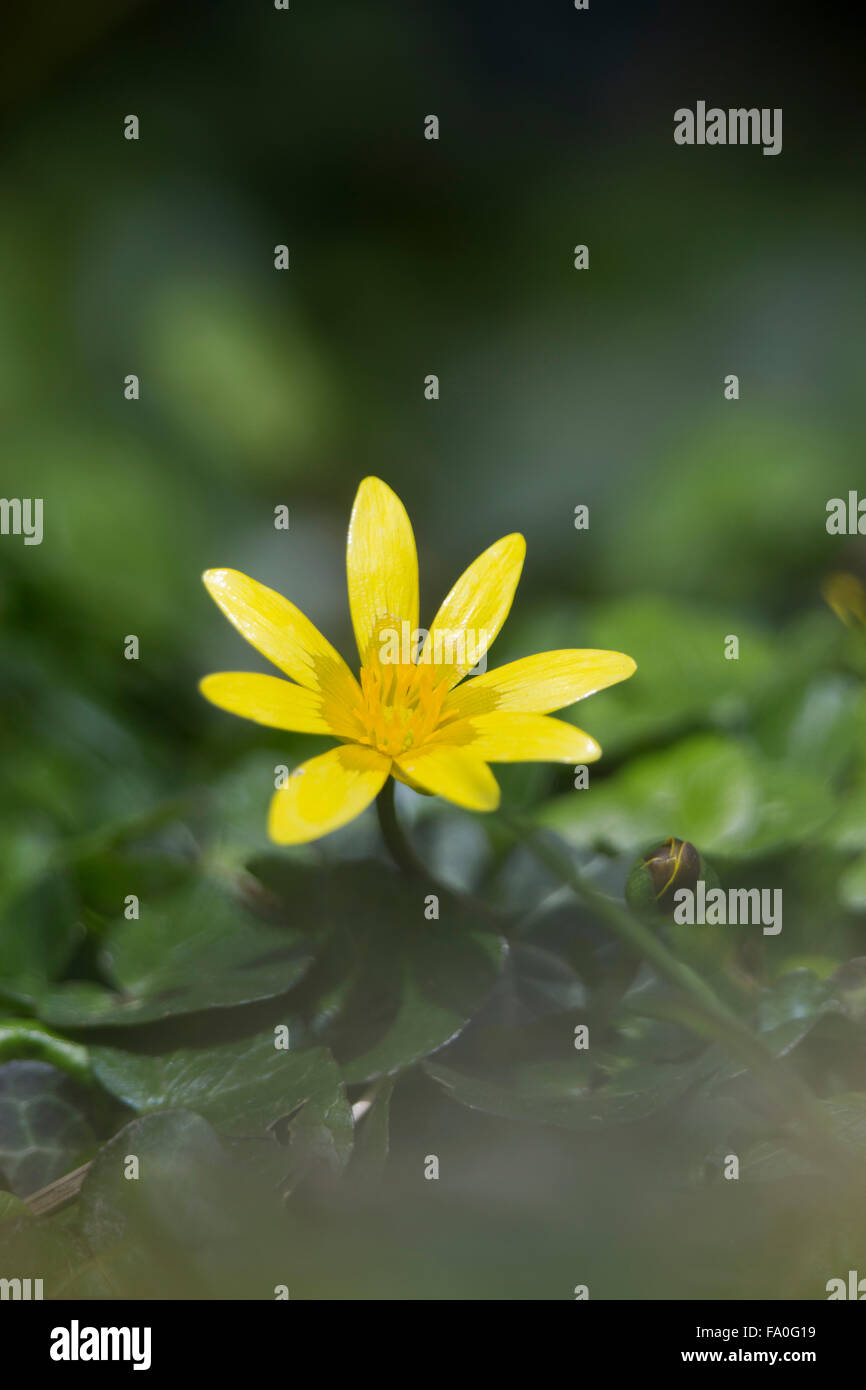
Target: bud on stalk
{"x":655,"y":877}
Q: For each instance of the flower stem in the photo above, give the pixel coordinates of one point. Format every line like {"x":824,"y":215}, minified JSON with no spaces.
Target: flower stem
{"x":398,"y":846}
{"x":408,"y":861}
{"x":720,"y":1021}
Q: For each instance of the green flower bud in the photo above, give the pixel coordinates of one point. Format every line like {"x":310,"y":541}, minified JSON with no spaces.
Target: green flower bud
{"x":655,"y":877}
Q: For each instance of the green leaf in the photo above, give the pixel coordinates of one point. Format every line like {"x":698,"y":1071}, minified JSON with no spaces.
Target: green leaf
{"x":43,"y":1130}
{"x":373,"y":1132}
{"x":39,"y":930}
{"x":848,"y":1116}
{"x":190,"y":1218}
{"x":413,"y":983}
{"x":237,"y":804}
{"x":241,"y":1088}
{"x":849,"y":987}
{"x":788,"y":1011}
{"x":723,"y":796}
{"x":682,"y":677}
{"x":562,"y":1093}
{"x":847,"y":829}
{"x":107,"y":877}
{"x":823,"y":714}
{"x":774,"y":1159}
{"x":157,"y":1234}
{"x":199,"y":949}
{"x":47,"y":1248}
{"x":705,"y":519}
{"x":543,"y":981}
{"x":852,"y":885}
{"x":13,"y":1209}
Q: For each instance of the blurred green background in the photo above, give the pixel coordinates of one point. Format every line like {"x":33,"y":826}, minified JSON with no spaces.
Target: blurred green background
{"x":558,"y":387}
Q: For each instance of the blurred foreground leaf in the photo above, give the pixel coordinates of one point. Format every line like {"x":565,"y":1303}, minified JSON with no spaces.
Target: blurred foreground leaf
{"x":773,"y":1160}
{"x":167,"y":1231}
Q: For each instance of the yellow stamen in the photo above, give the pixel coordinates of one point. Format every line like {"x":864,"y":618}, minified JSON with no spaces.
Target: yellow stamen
{"x":402,"y":706}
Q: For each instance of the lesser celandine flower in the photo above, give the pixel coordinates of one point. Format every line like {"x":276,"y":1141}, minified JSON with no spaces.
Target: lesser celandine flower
{"x":413,"y":715}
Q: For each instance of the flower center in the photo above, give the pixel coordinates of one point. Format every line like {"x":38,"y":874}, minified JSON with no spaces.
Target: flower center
{"x":402,"y":705}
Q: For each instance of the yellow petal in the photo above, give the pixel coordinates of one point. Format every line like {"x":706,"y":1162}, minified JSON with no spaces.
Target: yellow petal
{"x":539,"y":684}
{"x":455,"y":773}
{"x":279,"y":630}
{"x":474,"y":610}
{"x":325,"y":793}
{"x":407,"y":781}
{"x":522,"y":738}
{"x":268,"y":700}
{"x":381,"y":565}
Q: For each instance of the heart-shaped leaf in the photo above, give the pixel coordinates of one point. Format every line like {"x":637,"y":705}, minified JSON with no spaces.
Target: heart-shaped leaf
{"x":199,"y":949}
{"x":240,"y":1088}
{"x":44,"y":1132}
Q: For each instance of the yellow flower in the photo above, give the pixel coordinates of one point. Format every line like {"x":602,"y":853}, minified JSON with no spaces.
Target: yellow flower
{"x":410,"y":716}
